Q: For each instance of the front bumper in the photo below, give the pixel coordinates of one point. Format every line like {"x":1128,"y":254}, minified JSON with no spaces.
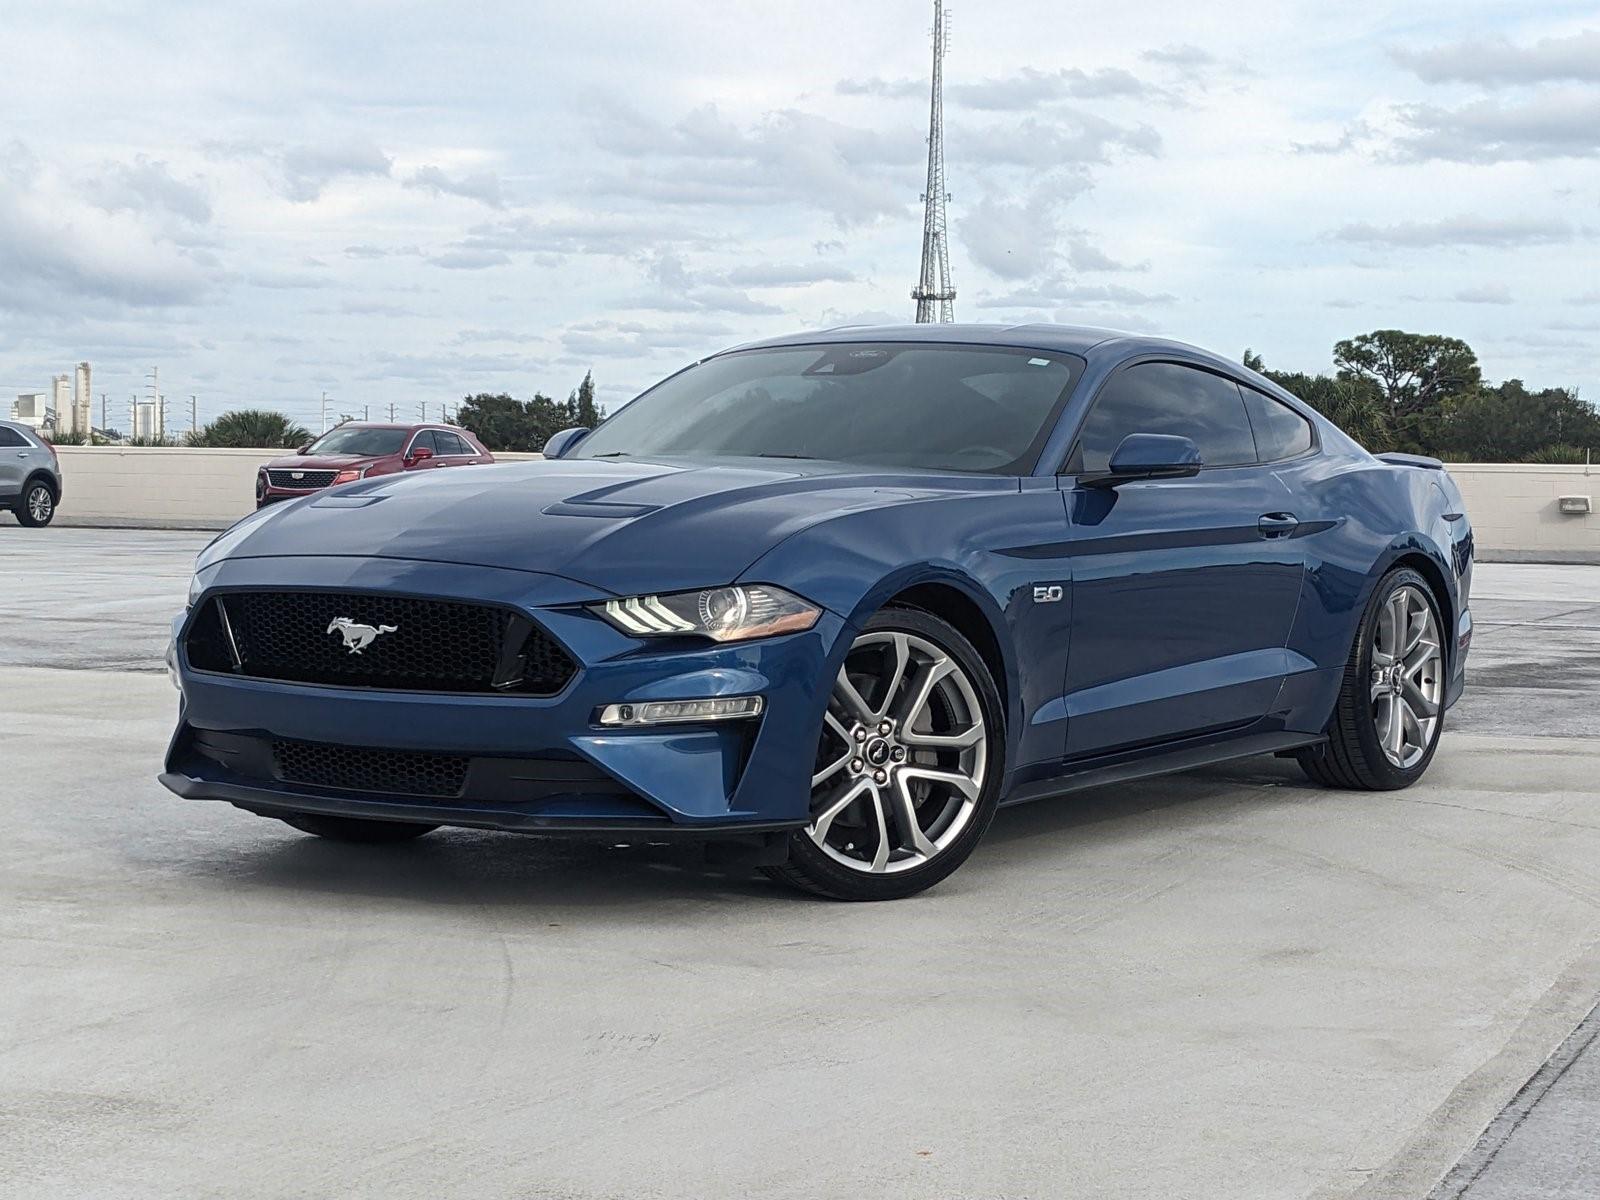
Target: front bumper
{"x":534,"y":764}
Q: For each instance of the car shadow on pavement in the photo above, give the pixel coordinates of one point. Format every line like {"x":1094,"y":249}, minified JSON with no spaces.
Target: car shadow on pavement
{"x":475,"y":869}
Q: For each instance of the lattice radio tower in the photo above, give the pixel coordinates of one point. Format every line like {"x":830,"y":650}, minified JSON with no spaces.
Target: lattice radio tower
{"x":935,"y":294}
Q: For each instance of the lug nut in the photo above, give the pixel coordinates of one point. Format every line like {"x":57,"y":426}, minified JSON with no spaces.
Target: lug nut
{"x":860,"y":734}
{"x":899,"y":754}
{"x":880,"y":777}
{"x":885,"y":726}
{"x":857,"y":765}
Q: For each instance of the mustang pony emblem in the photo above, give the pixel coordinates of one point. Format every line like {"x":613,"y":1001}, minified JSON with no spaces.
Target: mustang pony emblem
{"x":358,"y":637}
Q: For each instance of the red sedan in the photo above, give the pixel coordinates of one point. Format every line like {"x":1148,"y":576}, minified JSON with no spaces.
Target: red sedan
{"x":358,"y":450}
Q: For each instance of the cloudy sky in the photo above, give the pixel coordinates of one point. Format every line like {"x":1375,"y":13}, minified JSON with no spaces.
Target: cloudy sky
{"x":402,"y":203}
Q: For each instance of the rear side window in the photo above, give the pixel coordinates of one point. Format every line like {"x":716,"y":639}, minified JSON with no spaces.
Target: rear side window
{"x":1166,"y":398}
{"x":450,"y":443}
{"x":1280,"y":431}
{"x":424,"y":441}
{"x":10,"y":438}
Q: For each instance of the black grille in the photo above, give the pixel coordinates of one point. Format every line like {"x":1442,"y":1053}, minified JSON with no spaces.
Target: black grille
{"x":390,"y":772}
{"x":357,"y":639}
{"x":308,"y":479}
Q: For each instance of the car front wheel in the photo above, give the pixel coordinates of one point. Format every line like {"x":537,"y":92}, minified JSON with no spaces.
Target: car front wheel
{"x":38,"y":507}
{"x":909,"y":763}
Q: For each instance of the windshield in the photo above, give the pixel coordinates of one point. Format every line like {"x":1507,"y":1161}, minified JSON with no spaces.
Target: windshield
{"x":374,"y":442}
{"x":929,"y":407}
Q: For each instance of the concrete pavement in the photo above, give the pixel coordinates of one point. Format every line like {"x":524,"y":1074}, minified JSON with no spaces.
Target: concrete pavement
{"x":1224,"y":984}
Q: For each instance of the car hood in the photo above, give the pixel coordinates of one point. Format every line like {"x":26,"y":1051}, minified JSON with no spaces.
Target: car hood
{"x":317,"y":462}
{"x":620,"y":526}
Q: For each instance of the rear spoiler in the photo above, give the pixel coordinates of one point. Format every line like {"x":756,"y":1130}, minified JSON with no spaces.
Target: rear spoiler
{"x":1411,"y":460}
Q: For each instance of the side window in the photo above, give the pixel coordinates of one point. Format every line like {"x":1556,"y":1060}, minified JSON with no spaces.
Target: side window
{"x":11,"y":439}
{"x":452,"y":443}
{"x":1166,"y":398}
{"x":1280,"y":431}
{"x":424,"y":441}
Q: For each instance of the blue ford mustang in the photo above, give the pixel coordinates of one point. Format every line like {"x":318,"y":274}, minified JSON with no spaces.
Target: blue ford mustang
{"x":826,"y":601}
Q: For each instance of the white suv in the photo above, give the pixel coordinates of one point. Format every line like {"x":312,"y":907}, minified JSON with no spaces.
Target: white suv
{"x":30,"y":475}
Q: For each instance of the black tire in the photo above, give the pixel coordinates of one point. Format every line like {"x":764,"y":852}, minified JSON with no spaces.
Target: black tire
{"x":37,"y":494}
{"x":1353,"y":757}
{"x":357,"y":829}
{"x":811,"y":869}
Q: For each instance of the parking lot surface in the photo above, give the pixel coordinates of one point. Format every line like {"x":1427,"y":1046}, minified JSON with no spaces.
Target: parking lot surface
{"x":1224,"y":984}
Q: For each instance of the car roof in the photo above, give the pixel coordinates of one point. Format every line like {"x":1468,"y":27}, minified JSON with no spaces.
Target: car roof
{"x":1070,"y":339}
{"x":416,"y":425}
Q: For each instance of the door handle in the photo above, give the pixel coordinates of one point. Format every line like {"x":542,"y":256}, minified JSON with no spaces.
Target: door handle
{"x":24,"y":454}
{"x":1278,"y":525}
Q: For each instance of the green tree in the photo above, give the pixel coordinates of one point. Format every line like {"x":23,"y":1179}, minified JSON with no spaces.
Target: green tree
{"x":585,"y":411}
{"x":1508,"y":423}
{"x":1418,"y":375}
{"x":504,"y":423}
{"x":250,"y":428}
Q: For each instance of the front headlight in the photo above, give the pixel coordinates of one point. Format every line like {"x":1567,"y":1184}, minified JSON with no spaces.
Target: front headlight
{"x":195,"y":588}
{"x":724,"y":614}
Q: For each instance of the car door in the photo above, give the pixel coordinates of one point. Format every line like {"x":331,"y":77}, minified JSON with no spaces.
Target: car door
{"x":17,"y":457}
{"x":423,"y":441}
{"x":454,"y":448}
{"x":1183,"y":590}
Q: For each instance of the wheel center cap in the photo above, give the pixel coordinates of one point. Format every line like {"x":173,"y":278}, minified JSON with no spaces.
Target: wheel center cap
{"x":877,"y":752}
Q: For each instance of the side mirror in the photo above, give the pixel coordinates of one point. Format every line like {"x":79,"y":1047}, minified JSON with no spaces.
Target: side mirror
{"x":1148,"y":456}
{"x":420,"y":454}
{"x":560,"y":443}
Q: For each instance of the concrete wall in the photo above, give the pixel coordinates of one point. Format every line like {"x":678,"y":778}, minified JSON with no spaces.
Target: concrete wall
{"x":1513,"y":507}
{"x":1516,"y":517}
{"x":164,"y":487}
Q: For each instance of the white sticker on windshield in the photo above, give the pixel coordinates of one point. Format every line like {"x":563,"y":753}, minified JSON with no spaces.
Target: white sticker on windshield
{"x":1038,"y":362}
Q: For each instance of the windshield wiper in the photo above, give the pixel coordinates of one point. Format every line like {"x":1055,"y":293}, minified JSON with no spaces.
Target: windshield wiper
{"x":804,"y":457}
{"x":612,"y":454}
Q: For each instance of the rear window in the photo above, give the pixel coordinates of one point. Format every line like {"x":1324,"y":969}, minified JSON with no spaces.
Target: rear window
{"x":1280,"y":431}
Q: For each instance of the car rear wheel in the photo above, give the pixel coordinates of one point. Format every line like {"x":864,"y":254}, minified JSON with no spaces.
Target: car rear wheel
{"x":908,"y":767}
{"x":38,"y":507}
{"x":357,"y":829}
{"x":1390,"y":713}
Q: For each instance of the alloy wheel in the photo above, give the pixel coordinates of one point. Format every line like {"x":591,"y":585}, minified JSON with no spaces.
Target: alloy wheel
{"x":40,"y":503}
{"x":902,"y":759}
{"x":1407,"y":679}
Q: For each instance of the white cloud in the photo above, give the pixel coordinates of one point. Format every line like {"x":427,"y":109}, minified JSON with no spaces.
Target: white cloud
{"x":1555,"y":123}
{"x":1496,"y":62}
{"x":1462,"y":231}
{"x":281,"y":207}
{"x":482,"y":186}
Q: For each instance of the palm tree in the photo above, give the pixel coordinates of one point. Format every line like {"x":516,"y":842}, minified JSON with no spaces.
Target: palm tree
{"x":251,"y":428}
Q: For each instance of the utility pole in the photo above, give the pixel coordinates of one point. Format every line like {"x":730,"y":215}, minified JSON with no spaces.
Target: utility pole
{"x":324,"y":412}
{"x":423,"y":409}
{"x":104,"y":423}
{"x":391,"y":412}
{"x":366,"y":412}
{"x":194,"y":414}
{"x":935,"y":294}
{"x":157,"y":403}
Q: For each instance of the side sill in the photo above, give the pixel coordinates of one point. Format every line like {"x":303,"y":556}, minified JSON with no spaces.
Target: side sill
{"x":1185,"y":759}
